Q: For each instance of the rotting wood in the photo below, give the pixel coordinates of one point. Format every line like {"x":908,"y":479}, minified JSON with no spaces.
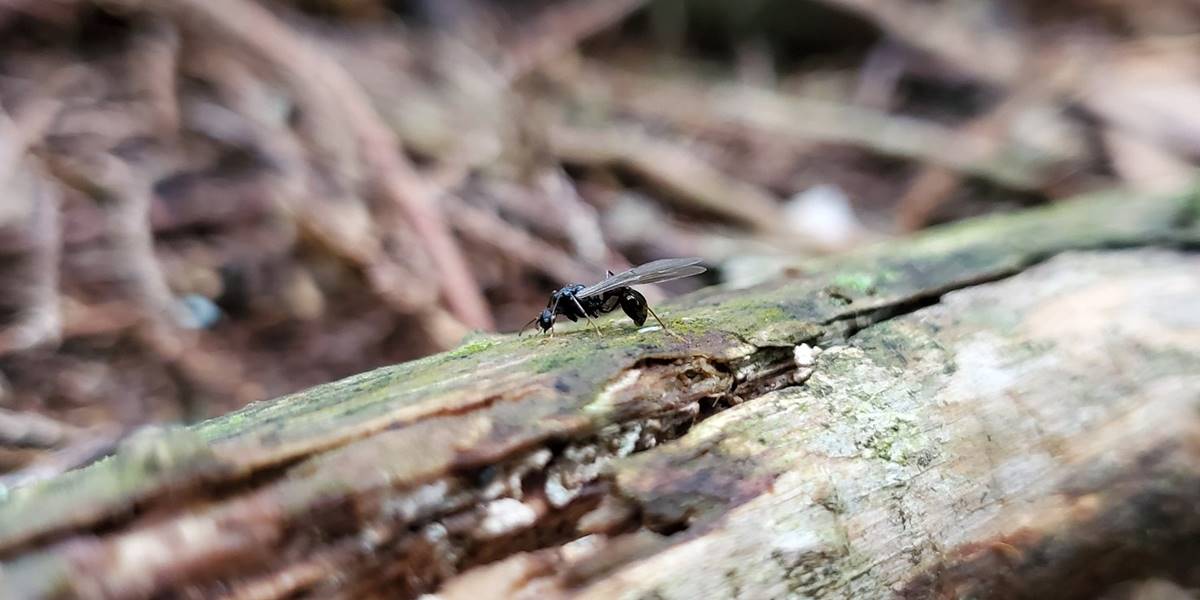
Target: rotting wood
{"x":1031,"y":438}
{"x":617,"y":463}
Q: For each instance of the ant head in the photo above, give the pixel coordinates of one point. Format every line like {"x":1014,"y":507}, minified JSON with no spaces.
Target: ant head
{"x":545,"y":320}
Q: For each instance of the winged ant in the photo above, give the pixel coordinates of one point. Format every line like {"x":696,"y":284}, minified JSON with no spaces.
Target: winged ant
{"x":576,"y":300}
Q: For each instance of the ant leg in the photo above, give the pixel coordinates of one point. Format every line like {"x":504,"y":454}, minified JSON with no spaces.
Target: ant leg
{"x":585,"y":315}
{"x":663,"y":325}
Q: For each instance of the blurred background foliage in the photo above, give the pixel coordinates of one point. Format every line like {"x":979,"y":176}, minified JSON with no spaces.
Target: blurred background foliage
{"x":210,"y":202}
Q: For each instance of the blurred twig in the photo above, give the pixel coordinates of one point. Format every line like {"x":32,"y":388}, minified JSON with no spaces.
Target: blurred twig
{"x":85,"y":447}
{"x":19,"y":132}
{"x":559,"y":29}
{"x":934,"y":184}
{"x":37,"y":318}
{"x":552,"y":209}
{"x":31,"y":430}
{"x":996,"y":56}
{"x":489,"y":229}
{"x":153,"y":61}
{"x":338,"y":107}
{"x":1140,"y":92}
{"x":683,"y":176}
{"x":697,"y":107}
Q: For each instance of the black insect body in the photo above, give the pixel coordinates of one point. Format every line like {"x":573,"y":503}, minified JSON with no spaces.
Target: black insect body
{"x":577,"y":301}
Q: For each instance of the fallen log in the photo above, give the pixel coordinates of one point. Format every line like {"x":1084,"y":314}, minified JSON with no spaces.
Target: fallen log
{"x":1002,"y":408}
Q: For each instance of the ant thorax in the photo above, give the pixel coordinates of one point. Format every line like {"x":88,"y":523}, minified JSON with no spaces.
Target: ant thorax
{"x":566,"y":291}
{"x":566,"y":302}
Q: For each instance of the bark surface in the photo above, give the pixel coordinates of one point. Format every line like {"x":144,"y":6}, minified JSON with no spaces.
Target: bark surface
{"x":1004,"y":408}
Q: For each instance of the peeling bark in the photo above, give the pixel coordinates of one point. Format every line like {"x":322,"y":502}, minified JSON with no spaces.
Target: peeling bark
{"x":1005,"y":408}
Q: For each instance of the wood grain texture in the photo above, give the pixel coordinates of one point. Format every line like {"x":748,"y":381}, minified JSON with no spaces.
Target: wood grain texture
{"x":996,"y":409}
{"x":1037,"y":437}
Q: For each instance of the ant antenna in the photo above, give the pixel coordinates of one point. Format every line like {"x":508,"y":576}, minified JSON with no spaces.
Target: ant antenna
{"x":526,"y":326}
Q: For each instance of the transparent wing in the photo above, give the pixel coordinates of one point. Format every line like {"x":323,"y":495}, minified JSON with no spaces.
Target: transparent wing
{"x":658,"y":271}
